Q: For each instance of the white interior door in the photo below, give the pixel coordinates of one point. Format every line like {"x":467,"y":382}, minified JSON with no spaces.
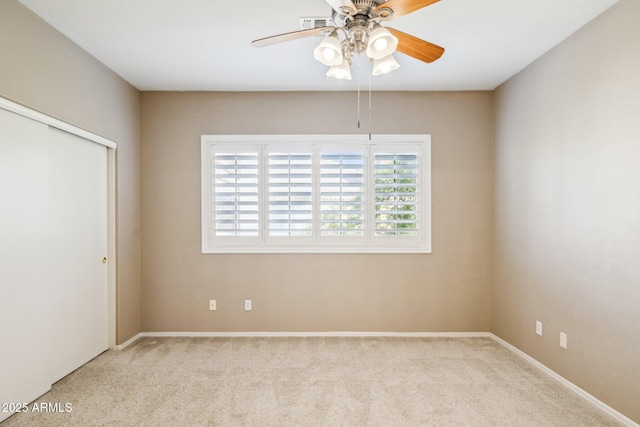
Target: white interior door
{"x":25,"y":236}
{"x":79,"y":301}
{"x":53,"y":238}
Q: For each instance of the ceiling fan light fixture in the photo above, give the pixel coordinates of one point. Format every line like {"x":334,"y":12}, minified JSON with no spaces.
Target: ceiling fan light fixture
{"x":381,"y":43}
{"x":329,"y":51}
{"x":384,"y":65}
{"x":341,"y":71}
{"x":359,"y":24}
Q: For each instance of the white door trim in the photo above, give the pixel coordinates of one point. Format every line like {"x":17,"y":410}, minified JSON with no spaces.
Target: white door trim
{"x":111,"y":194}
{"x":48,"y":120}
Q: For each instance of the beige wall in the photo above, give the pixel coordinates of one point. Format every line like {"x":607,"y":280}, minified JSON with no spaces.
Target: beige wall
{"x":43,"y":70}
{"x":567,"y":208}
{"x":448,"y":290}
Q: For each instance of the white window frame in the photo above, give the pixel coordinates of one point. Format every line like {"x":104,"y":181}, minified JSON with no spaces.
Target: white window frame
{"x":369,"y":243}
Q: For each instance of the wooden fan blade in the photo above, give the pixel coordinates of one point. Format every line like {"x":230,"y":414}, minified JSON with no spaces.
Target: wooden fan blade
{"x":344,"y":7}
{"x":280,"y":38}
{"x":403,"y":7}
{"x":413,"y":46}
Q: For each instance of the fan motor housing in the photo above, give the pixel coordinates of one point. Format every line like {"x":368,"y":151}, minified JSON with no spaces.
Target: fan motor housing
{"x":366,"y":9}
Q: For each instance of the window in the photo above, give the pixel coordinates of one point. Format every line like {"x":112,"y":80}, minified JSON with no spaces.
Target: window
{"x":342,"y":193}
{"x":315,"y":193}
{"x":290,"y":192}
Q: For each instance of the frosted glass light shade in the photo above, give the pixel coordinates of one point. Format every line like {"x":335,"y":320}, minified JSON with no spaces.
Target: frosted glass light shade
{"x":341,"y":71}
{"x":381,"y":43}
{"x":329,"y":51}
{"x":384,"y":65}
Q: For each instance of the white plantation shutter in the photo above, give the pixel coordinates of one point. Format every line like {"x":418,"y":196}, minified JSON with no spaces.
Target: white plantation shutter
{"x":342,"y":193}
{"x":290,"y":193}
{"x":316,"y":193}
{"x":235,"y":202}
{"x":397,"y":193}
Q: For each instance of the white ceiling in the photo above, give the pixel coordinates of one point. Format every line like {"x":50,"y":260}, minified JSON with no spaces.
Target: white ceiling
{"x":205,"y":44}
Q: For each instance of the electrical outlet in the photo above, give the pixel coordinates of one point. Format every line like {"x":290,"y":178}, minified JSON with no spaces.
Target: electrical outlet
{"x":247,"y":305}
{"x":538,"y":327}
{"x":563,"y":340}
{"x":212,"y":304}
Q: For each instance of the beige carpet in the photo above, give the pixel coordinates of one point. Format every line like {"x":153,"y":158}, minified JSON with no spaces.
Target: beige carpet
{"x":312,"y":382}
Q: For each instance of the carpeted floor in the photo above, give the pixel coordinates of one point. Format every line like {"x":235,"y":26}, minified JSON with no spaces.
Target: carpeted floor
{"x":311,"y":382}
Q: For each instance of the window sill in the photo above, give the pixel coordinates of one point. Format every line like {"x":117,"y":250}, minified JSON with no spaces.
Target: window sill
{"x":417,"y":249}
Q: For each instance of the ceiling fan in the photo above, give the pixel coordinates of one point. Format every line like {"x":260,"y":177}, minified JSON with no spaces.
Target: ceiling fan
{"x":357,"y":30}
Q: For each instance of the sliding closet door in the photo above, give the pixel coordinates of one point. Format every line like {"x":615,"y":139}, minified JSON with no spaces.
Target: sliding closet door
{"x":79,"y":301}
{"x":25,"y":260}
{"x":53,"y":244}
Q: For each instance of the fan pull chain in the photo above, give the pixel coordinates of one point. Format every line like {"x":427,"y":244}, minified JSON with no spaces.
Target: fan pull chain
{"x":359,"y":73}
{"x":369,"y":107}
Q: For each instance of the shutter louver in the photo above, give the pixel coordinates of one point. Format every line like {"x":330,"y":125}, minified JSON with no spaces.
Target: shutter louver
{"x":396,"y":194}
{"x":342,"y":210}
{"x":235,"y":182}
{"x":290,"y":194}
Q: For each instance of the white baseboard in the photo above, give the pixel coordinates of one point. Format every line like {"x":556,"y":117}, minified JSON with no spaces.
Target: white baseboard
{"x":129,"y":342}
{"x":303,"y":334}
{"x":318,"y":334}
{"x":571,"y":386}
